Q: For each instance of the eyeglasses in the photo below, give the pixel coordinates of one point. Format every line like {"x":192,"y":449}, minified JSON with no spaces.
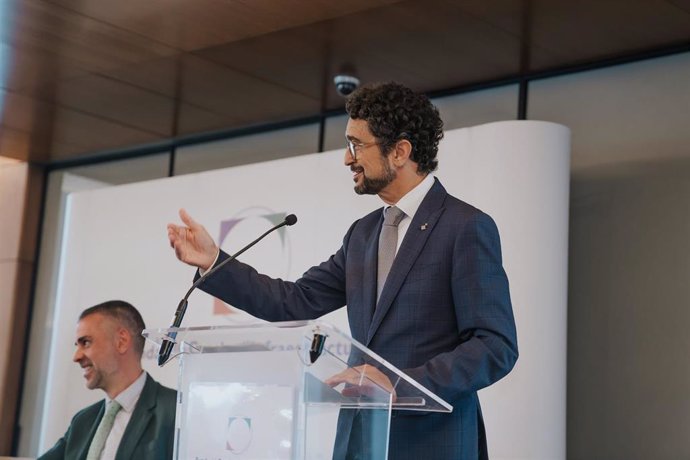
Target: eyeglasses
{"x":355,"y":147}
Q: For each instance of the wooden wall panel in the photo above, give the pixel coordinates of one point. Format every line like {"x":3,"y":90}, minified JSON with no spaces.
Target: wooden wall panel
{"x":21,"y":189}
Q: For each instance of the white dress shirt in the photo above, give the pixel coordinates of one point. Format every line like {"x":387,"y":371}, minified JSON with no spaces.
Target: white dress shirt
{"x":128,"y":400}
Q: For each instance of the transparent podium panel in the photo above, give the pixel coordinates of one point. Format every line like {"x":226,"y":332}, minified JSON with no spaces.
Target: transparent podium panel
{"x":295,"y":390}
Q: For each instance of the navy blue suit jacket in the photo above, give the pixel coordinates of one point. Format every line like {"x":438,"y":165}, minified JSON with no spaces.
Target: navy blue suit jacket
{"x":150,"y":433}
{"x":444,"y":316}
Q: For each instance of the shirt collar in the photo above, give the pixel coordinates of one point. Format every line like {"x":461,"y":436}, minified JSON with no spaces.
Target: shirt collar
{"x":129,"y":397}
{"x":411,"y":201}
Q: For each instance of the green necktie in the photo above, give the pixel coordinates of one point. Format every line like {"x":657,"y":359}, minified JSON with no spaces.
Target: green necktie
{"x":98,"y":441}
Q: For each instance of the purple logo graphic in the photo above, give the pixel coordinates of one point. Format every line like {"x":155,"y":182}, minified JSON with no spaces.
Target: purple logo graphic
{"x":228,"y":225}
{"x":239,"y":434}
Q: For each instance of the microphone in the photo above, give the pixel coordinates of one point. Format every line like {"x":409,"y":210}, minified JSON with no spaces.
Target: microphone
{"x":167,"y":345}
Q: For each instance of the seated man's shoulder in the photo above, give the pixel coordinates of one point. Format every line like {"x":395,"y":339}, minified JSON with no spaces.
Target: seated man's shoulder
{"x":168,"y":393}
{"x":166,"y":396}
{"x":89,"y":412}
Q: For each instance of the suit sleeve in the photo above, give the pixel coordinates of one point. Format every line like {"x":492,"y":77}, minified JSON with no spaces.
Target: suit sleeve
{"x":487,"y":348}
{"x":319,"y":291}
{"x":57,"y":452}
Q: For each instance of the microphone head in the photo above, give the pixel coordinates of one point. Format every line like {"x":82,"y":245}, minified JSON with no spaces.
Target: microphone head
{"x":291,"y":219}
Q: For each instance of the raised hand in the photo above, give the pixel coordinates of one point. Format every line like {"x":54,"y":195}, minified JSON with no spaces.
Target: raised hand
{"x":192,"y":243}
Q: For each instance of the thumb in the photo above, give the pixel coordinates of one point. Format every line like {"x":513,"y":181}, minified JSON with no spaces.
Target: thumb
{"x":188,"y":221}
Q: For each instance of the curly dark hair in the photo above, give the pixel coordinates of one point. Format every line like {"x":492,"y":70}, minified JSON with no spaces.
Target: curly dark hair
{"x":394,"y":112}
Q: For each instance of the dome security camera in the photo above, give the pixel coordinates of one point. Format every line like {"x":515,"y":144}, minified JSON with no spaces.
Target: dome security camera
{"x":345,"y":84}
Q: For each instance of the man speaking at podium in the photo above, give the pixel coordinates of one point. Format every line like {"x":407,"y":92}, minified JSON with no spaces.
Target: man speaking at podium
{"x":422,"y":278}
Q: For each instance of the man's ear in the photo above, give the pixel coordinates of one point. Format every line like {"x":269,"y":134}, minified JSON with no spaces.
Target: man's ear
{"x":124,"y":340}
{"x":402,"y":152}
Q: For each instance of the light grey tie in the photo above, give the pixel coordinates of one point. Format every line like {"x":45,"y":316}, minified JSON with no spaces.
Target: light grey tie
{"x":103,"y":430}
{"x":388,"y":243}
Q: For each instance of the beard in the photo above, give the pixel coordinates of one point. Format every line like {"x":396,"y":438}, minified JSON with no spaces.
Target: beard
{"x":95,"y":379}
{"x":95,"y":382}
{"x":373,"y":185}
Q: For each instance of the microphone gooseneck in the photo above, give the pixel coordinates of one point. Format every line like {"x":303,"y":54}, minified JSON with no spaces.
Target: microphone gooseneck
{"x":167,"y":345}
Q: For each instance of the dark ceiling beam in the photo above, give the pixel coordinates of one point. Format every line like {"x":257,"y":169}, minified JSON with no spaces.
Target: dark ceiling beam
{"x":170,"y":144}
{"x":166,"y":146}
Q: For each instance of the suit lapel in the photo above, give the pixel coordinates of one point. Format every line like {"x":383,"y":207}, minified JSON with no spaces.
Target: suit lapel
{"x":369,"y":275}
{"x":365,"y":277}
{"x":417,"y":234}
{"x":141,"y":416}
{"x":92,"y":432}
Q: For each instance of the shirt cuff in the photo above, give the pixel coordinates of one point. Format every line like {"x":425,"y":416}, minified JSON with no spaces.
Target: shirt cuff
{"x":202,"y":272}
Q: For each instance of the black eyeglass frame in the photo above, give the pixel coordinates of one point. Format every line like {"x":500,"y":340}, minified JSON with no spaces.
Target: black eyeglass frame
{"x":355,"y":147}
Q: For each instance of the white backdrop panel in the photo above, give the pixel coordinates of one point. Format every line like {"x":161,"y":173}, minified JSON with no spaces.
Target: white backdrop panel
{"x":518,"y":172}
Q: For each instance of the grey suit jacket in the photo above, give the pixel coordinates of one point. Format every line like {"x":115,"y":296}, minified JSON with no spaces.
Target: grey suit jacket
{"x":444,"y":316}
{"x":150,"y":433}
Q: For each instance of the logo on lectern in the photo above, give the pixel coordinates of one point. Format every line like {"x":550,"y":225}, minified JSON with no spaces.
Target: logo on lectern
{"x":239,"y":434}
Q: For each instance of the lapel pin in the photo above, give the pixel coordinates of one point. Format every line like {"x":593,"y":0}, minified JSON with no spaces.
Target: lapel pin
{"x":424,"y":226}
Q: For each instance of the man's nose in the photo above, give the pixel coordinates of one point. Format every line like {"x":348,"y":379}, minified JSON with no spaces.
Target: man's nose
{"x":78,"y":355}
{"x":348,"y":160}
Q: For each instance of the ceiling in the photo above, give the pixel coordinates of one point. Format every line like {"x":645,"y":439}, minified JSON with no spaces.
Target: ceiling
{"x":82,"y":77}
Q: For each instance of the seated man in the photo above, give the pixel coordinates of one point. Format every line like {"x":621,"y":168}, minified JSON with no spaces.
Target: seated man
{"x":137,"y":417}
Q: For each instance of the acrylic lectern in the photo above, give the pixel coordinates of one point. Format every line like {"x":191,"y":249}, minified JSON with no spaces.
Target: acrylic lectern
{"x":265,"y":391}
